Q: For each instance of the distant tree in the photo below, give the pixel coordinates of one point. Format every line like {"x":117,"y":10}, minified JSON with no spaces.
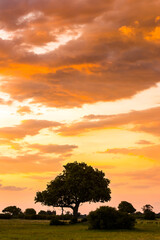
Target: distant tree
{"x":30,"y":211}
{"x":126,"y":207}
{"x":138,"y":215}
{"x":147,"y":207}
{"x":48,"y":212}
{"x":148,"y":212}
{"x":78,"y":183}
{"x":51,"y":212}
{"x":42,"y":212}
{"x":13,"y":210}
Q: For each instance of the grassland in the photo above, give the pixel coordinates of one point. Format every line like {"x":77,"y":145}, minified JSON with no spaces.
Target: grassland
{"x":40,"y":230}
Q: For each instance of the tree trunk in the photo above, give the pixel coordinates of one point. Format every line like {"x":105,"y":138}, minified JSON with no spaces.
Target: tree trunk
{"x":75,"y":211}
{"x":62,"y":211}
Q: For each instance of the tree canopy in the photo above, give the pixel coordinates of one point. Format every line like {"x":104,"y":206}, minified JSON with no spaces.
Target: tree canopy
{"x":147,"y":207}
{"x":13,"y":210}
{"x":78,"y":183}
{"x":30,"y":211}
{"x":127,"y":207}
{"x":148,"y":212}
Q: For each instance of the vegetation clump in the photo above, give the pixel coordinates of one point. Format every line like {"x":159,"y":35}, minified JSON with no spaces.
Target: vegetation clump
{"x":127,"y":207}
{"x":110,"y":218}
{"x":148,"y":212}
{"x":55,"y":221}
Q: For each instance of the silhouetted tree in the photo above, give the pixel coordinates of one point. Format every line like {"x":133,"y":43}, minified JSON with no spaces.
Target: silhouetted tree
{"x":126,"y":207}
{"x":30,"y":211}
{"x":42,"y":212}
{"x":147,"y":207}
{"x":148,"y":212}
{"x":13,"y":210}
{"x":49,"y":213}
{"x":78,"y":183}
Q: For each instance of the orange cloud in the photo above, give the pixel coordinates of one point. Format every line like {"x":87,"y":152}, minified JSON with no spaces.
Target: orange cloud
{"x":22,"y":110}
{"x":127,"y":31}
{"x":145,"y":121}
{"x":12,"y":188}
{"x":149,"y":176}
{"x":99,"y":65}
{"x":154,"y":35}
{"x":144,"y":142}
{"x":151,"y":152}
{"x":54,"y":148}
{"x":29,"y":163}
{"x":27,"y":127}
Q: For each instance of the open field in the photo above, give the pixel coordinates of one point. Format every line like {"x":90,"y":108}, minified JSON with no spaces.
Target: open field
{"x":40,"y":230}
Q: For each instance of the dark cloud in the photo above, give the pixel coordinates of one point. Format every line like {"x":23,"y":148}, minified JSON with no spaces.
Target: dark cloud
{"x":115,"y":56}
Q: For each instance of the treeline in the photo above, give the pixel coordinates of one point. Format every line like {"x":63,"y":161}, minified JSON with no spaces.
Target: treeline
{"x":147,"y":211}
{"x":30,"y":213}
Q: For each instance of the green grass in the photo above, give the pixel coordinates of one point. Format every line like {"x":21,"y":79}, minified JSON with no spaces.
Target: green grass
{"x":40,"y":230}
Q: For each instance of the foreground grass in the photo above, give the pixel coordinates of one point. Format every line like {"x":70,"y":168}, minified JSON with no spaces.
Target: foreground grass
{"x":40,"y":230}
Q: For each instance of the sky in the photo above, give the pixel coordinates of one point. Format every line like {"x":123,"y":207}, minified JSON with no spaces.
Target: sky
{"x":80,"y":81}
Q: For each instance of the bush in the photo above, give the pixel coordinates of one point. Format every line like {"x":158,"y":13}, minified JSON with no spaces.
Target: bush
{"x":110,"y":218}
{"x":5,"y":216}
{"x":73,"y":220}
{"x":65,"y":217}
{"x":84,"y":219}
{"x":55,"y":221}
{"x":149,"y":215}
{"x":30,"y":217}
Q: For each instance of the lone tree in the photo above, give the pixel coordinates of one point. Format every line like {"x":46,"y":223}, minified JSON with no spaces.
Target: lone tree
{"x":127,"y":207}
{"x":78,"y":183}
{"x":13,"y":210}
{"x":148,"y":212}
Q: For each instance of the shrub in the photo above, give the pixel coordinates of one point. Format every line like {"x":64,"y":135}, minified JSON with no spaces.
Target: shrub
{"x":55,"y":221}
{"x":65,"y":217}
{"x":73,"y":220}
{"x":149,"y":215}
{"x":30,"y":217}
{"x":84,"y":219}
{"x":110,"y":218}
{"x":5,"y":216}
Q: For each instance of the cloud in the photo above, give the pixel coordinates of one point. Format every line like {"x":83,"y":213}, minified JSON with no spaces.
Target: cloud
{"x":40,"y":178}
{"x":145,"y":142}
{"x":142,"y":121}
{"x":22,"y":110}
{"x":12,"y":188}
{"x":151,"y":152}
{"x":140,"y":186}
{"x":114,"y":45}
{"x":54,"y":148}
{"x":27,"y":127}
{"x":30,"y":163}
{"x":144,"y":177}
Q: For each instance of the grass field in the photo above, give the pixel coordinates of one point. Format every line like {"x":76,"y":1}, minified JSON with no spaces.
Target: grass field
{"x":40,"y":230}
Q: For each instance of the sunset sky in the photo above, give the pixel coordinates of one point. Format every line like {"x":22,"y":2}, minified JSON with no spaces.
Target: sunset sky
{"x":80,"y":81}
